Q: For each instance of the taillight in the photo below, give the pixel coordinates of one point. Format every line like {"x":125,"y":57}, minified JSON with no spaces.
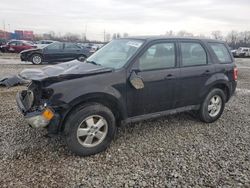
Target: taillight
{"x":235,"y":76}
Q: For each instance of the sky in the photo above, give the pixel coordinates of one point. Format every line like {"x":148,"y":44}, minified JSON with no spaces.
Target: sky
{"x":136,"y":17}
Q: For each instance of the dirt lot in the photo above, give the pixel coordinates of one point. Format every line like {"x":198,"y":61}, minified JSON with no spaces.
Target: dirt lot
{"x":175,"y":151}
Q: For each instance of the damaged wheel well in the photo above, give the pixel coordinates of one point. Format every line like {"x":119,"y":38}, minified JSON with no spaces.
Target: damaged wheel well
{"x":105,"y":100}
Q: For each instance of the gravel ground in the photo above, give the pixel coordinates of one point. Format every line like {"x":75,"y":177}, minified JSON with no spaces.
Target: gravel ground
{"x":175,"y":151}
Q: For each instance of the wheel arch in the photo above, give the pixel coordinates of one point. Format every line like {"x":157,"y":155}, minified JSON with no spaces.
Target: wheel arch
{"x":224,"y":87}
{"x":82,"y":54}
{"x":104,"y":99}
{"x":34,"y":53}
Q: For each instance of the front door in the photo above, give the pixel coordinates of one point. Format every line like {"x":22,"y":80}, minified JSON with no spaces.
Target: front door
{"x":157,"y":68}
{"x":54,"y":52}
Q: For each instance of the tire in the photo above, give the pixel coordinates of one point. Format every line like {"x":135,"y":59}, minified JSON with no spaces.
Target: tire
{"x":81,"y":119}
{"x":2,"y":50}
{"x":82,"y":58}
{"x":36,"y":59}
{"x":209,"y":106}
{"x":242,"y":55}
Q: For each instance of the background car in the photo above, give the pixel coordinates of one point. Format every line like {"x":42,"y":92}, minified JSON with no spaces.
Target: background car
{"x":242,"y":52}
{"x":17,"y":46}
{"x":2,"y":42}
{"x":233,"y":52}
{"x":43,"y":43}
{"x":55,"y":52}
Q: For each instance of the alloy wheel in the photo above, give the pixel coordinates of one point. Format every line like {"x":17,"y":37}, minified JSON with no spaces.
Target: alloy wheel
{"x":92,"y":131}
{"x":214,"y":106}
{"x":37,"y":60}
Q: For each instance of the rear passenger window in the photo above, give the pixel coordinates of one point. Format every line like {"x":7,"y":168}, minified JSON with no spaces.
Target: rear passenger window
{"x":193,"y":54}
{"x":71,"y":46}
{"x":221,"y":52}
{"x":158,"y":56}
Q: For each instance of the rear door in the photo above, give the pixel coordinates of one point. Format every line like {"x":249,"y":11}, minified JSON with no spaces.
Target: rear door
{"x":71,"y":51}
{"x":224,"y":61}
{"x":196,"y":69}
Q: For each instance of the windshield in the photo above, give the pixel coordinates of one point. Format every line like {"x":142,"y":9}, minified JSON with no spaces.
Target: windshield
{"x":116,"y":53}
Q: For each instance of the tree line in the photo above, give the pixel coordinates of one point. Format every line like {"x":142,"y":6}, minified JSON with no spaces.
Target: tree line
{"x":235,"y":39}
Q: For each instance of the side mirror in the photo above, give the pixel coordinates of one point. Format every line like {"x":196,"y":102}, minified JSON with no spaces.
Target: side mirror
{"x":136,"y":81}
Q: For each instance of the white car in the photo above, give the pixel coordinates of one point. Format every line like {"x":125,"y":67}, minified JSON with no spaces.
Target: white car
{"x":242,"y":52}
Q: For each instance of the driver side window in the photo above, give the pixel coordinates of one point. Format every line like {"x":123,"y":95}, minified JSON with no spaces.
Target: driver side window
{"x":13,"y":43}
{"x":158,"y":56}
{"x":55,"y":46}
{"x":70,"y":46}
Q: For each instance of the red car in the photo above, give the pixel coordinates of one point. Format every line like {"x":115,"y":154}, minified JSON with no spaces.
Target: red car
{"x":16,"y":46}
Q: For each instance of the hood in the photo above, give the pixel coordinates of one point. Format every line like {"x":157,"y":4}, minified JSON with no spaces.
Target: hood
{"x":31,"y":50}
{"x":69,"y":70}
{"x":41,"y":45}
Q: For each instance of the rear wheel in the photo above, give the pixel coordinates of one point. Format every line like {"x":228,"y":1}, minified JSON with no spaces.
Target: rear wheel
{"x":36,"y":59}
{"x":213,"y":106}
{"x":82,"y":58}
{"x":90,"y":129}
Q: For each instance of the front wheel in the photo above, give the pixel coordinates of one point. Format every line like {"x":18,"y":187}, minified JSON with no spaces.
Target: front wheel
{"x":213,"y":106}
{"x":36,"y":59}
{"x":90,"y":129}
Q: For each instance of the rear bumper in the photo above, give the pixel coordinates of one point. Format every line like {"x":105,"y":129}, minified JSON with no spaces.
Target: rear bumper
{"x":232,"y":88}
{"x":35,"y":118}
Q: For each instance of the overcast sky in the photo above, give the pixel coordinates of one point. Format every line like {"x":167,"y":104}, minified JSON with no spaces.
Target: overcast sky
{"x":136,"y":17}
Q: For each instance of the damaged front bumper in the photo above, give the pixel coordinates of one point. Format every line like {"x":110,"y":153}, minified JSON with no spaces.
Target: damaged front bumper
{"x":36,"y":118}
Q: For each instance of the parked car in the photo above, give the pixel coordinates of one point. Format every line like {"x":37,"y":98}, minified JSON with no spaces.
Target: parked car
{"x":43,"y":43}
{"x":55,"y":52}
{"x":234,"y":52}
{"x":242,"y":52}
{"x":2,"y":42}
{"x":128,"y":80}
{"x":17,"y":46}
{"x":91,"y":46}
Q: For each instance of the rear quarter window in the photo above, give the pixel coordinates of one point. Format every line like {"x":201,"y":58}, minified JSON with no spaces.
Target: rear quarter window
{"x":221,"y":52}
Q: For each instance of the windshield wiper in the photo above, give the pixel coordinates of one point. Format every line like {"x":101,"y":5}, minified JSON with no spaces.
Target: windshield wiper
{"x":93,"y":62}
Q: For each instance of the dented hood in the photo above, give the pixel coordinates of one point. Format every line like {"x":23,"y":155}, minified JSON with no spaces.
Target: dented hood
{"x":69,"y":70}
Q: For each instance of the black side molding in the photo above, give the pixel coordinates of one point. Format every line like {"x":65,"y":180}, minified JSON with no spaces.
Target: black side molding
{"x":160,"y":114}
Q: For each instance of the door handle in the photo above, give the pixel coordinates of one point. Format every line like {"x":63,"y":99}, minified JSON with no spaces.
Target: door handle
{"x":169,"y":76}
{"x":207,"y":72}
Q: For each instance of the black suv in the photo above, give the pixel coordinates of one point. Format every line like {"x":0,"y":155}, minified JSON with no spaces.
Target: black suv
{"x":128,"y":80}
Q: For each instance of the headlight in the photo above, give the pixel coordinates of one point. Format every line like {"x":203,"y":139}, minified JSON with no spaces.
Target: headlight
{"x":41,"y":120}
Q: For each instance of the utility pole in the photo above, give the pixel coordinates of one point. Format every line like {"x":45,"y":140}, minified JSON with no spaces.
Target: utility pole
{"x":104,"y":36}
{"x":5,"y":37}
{"x":85,"y":32}
{"x":4,"y":25}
